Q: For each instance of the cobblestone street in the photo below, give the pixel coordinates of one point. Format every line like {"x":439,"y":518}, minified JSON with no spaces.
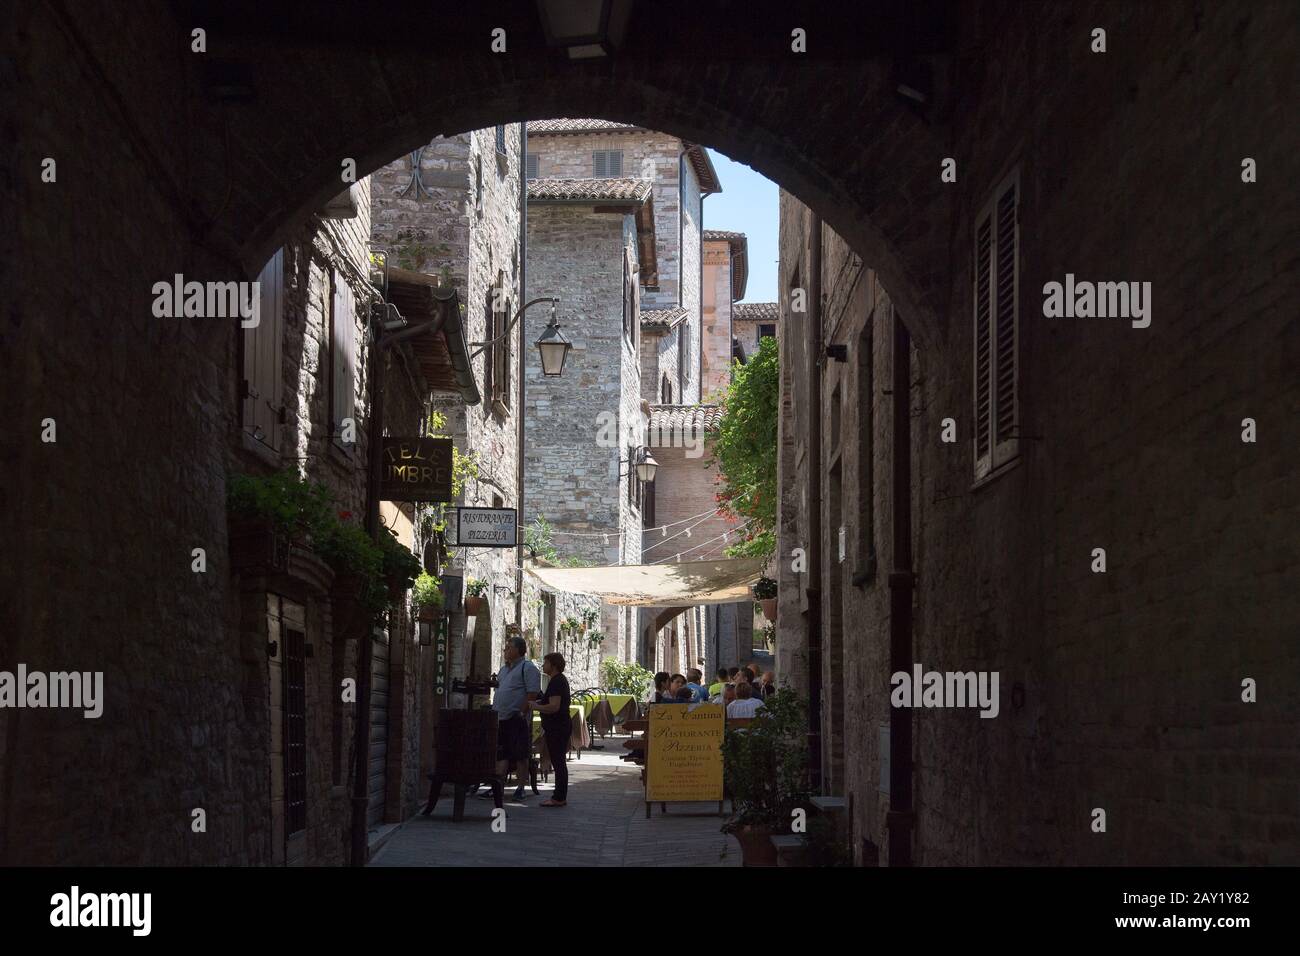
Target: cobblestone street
{"x":604,"y":824}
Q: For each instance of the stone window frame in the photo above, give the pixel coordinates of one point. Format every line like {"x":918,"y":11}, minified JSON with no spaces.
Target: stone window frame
{"x":996,"y":444}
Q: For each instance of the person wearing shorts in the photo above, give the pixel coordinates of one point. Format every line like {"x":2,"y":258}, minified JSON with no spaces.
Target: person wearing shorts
{"x":518,"y":681}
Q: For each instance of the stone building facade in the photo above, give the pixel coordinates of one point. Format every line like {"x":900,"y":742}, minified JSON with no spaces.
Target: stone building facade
{"x":751,"y":323}
{"x":725,"y":275}
{"x":453,"y":208}
{"x":682,"y":176}
{"x":587,"y":241}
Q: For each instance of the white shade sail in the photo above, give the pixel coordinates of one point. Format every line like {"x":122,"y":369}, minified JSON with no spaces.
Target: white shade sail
{"x":655,"y":585}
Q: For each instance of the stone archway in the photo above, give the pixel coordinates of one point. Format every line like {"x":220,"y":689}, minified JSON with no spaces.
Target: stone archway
{"x":833,"y":131}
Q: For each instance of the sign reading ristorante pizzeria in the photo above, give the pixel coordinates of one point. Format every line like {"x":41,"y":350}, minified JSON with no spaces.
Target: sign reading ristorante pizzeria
{"x":485,"y":528}
{"x":416,"y":469}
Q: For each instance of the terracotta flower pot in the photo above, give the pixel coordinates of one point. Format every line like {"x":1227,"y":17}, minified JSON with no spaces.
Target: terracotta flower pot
{"x":429,"y":612}
{"x":473,"y":605}
{"x":756,"y":847}
{"x":769,"y":608}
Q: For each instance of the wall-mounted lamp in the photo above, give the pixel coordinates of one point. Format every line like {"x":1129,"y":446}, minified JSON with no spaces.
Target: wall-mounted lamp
{"x":646,"y":466}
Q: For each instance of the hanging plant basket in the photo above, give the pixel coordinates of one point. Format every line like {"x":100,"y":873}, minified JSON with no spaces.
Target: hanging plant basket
{"x":473,"y":605}
{"x":769,"y":608}
{"x":428,"y":612}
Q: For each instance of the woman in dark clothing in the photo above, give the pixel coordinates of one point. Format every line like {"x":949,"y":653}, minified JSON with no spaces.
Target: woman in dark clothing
{"x":553,"y":705}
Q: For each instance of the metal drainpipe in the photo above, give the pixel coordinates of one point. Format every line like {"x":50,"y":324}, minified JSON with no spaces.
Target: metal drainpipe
{"x":815,"y":499}
{"x":900,"y":819}
{"x":523,"y":292}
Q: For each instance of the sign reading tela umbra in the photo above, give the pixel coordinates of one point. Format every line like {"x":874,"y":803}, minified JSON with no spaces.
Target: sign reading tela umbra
{"x":684,"y":754}
{"x":416,"y":469}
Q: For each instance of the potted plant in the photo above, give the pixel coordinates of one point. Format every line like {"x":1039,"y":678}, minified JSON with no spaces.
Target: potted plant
{"x":764,"y":767}
{"x":569,"y":626}
{"x":427,"y":597}
{"x":269,"y":514}
{"x":595,"y":639}
{"x":400,"y":566}
{"x":590,"y":616}
{"x":474,"y":591}
{"x":765,"y":594}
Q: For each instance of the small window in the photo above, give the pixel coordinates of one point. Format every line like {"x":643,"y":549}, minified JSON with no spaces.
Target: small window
{"x":531,"y":163}
{"x":766,"y":332}
{"x":648,"y":505}
{"x":501,"y":140}
{"x":666,"y":391}
{"x":996,"y":312}
{"x":607,"y":163}
{"x":478,"y":185}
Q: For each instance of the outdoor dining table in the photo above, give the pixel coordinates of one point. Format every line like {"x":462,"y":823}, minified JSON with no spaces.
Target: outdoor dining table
{"x":578,"y":736}
{"x":607,"y":709}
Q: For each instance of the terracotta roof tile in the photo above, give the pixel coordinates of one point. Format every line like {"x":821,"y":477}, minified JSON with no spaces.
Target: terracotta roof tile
{"x":722,"y":234}
{"x":579,"y":190}
{"x":662,"y":320}
{"x":669,"y":420}
{"x":755,"y":312}
{"x":574,"y":125}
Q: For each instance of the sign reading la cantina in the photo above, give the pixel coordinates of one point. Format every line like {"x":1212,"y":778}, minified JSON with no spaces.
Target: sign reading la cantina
{"x":416,"y":469}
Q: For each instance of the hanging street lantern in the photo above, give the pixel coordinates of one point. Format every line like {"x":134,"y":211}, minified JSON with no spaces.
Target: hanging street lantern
{"x":554,"y":347}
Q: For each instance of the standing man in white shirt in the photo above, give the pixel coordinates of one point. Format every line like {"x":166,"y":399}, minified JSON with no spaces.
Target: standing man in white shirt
{"x":517,"y":681}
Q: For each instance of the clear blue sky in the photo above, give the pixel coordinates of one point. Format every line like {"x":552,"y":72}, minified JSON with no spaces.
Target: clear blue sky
{"x":748,"y":203}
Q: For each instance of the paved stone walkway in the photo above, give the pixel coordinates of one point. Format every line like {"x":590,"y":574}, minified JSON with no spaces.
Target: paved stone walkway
{"x":604,"y":824}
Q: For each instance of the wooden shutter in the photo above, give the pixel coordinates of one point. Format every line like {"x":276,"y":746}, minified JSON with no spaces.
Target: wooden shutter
{"x":263,"y":381}
{"x":532,"y":165}
{"x":503,"y":351}
{"x":614,"y":163}
{"x":996,"y":317}
{"x":983,"y":347}
{"x":344,"y":356}
{"x":1007,"y":327}
{"x":599,"y":165}
{"x":489,"y":353}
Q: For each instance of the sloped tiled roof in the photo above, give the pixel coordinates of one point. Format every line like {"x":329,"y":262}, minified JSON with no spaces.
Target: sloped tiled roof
{"x":662,"y":320}
{"x":667,"y":420}
{"x":589,"y":190}
{"x":696,"y":154}
{"x":755,"y":312}
{"x":739,"y":257}
{"x":545,"y":126}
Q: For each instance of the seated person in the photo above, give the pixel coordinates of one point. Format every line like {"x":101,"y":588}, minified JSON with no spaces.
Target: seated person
{"x":745,"y":704}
